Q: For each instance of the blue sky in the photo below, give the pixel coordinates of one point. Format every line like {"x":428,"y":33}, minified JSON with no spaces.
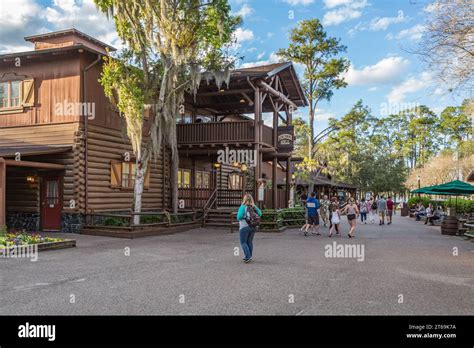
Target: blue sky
{"x":377,"y":34}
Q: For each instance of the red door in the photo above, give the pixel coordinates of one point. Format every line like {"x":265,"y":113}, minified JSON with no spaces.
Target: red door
{"x":51,"y":203}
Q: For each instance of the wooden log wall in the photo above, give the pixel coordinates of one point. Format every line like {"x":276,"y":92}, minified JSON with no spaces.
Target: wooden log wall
{"x":20,"y":195}
{"x":106,"y":145}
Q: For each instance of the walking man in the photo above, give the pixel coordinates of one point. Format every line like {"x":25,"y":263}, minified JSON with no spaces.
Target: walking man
{"x":313,"y":206}
{"x":382,"y":208}
{"x":390,"y":210}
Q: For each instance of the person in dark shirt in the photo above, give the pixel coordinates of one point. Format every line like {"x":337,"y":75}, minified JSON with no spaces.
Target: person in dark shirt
{"x":390,"y":206}
{"x":312,"y":205}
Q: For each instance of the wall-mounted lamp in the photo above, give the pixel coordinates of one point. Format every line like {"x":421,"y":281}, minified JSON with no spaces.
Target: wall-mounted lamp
{"x":30,"y":179}
{"x":217,"y":165}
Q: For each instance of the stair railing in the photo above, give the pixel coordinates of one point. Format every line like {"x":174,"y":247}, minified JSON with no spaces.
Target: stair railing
{"x":209,"y":204}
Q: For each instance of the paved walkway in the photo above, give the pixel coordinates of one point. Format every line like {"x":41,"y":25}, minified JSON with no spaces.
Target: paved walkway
{"x":406,"y":259}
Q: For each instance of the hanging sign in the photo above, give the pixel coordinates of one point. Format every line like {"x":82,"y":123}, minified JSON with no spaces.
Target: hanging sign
{"x":285,"y":138}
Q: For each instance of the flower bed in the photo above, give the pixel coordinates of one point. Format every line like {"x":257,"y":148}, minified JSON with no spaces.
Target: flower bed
{"x":15,"y":239}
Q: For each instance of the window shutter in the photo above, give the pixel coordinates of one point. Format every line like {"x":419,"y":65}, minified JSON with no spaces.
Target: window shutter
{"x":115,"y":174}
{"x":28,"y":92}
{"x":147,"y":178}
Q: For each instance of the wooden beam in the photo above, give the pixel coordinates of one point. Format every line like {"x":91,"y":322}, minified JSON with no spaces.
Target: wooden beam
{"x":277,"y":94}
{"x":226,"y":92}
{"x":3,"y":188}
{"x":38,"y":165}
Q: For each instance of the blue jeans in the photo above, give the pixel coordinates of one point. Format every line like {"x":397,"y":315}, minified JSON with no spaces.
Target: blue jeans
{"x":246,"y":240}
{"x":363,"y":217}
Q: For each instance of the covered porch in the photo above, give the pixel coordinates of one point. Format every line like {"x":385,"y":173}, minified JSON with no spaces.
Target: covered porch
{"x":230,"y":117}
{"x":31,"y":187}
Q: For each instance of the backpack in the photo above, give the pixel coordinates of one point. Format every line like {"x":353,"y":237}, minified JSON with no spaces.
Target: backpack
{"x":251,"y":217}
{"x":374,"y":205}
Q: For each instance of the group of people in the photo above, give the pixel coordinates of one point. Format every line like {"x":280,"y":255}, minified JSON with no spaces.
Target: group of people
{"x":381,"y":207}
{"x":430,"y":212}
{"x":329,"y":211}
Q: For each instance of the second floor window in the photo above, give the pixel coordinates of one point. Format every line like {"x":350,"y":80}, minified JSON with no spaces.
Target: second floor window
{"x":10,"y":94}
{"x":203,"y":180}
{"x":184,"y":178}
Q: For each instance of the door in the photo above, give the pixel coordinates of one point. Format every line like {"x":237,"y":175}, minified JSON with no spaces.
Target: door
{"x":51,"y":203}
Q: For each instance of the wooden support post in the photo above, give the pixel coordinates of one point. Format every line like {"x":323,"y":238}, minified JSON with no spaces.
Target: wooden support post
{"x":275,"y":163}
{"x":3,"y":187}
{"x":258,"y":116}
{"x":288,"y":180}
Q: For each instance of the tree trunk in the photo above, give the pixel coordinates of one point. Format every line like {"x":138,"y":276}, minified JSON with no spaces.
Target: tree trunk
{"x":138,"y":191}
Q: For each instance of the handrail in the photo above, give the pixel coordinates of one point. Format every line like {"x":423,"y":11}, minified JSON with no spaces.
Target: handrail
{"x":209,"y":203}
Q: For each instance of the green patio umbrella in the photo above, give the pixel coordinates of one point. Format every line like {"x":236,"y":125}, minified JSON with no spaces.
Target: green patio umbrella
{"x":455,"y":187}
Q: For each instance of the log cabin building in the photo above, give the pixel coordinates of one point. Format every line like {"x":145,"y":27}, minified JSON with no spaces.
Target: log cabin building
{"x":64,"y":148}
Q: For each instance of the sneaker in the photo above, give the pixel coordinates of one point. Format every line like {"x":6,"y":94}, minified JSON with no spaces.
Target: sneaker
{"x":247,"y":260}
{"x":305,"y":233}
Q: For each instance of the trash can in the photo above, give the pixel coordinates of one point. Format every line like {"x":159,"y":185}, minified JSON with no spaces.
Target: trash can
{"x":404,"y":211}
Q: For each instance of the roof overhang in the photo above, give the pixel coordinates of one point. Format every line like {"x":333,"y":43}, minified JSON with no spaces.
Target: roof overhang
{"x":33,"y":150}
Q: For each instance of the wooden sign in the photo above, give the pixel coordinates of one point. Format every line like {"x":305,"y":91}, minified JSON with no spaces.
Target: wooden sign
{"x":285,"y":138}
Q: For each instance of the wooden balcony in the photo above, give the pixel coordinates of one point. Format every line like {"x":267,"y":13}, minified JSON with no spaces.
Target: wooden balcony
{"x":220,"y":133}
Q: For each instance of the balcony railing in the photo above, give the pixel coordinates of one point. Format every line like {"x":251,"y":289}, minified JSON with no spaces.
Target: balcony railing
{"x":220,"y":133}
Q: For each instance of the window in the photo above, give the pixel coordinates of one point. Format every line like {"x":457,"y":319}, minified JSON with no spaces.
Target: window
{"x":203,"y":180}
{"x":14,"y":94}
{"x":184,"y":178}
{"x":122,"y":175}
{"x":235,"y":181}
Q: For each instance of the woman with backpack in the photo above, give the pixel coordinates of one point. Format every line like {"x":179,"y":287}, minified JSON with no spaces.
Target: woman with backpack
{"x":249,"y":219}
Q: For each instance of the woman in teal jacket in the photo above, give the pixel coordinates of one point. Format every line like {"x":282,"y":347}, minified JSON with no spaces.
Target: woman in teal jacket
{"x":247,"y":232}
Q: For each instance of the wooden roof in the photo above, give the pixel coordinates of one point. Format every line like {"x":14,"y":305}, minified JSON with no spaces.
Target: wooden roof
{"x":238,"y":96}
{"x":470,"y":177}
{"x":72,"y":31}
{"x":32,"y":150}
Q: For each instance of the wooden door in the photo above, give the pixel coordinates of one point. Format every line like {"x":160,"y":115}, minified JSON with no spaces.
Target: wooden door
{"x":51,"y":203}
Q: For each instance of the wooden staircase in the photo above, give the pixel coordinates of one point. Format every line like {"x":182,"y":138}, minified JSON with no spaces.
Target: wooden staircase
{"x":222,"y":218}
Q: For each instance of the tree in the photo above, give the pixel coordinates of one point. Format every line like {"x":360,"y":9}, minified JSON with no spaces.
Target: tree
{"x":455,"y":124}
{"x":311,"y":47}
{"x":447,"y":45}
{"x":170,"y":43}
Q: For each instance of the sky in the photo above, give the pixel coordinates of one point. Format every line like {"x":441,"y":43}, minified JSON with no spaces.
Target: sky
{"x":379,"y":35}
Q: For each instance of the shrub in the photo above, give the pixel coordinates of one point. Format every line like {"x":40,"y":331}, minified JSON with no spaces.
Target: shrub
{"x":115,"y":221}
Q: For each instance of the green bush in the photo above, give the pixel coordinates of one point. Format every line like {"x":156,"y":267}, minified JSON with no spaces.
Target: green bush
{"x":152,"y":219}
{"x":464,"y":206}
{"x":275,"y":219}
{"x":115,"y":221}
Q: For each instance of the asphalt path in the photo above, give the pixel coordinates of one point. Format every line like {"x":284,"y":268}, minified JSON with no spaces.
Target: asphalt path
{"x":405,"y":268}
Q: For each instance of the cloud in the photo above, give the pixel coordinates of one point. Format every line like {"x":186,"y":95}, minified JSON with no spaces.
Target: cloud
{"x":382,"y":23}
{"x":299,"y":2}
{"x":261,"y":55}
{"x":335,"y":3}
{"x":410,"y":85}
{"x":273,"y":58}
{"x":323,"y":115}
{"x":386,"y":71}
{"x":347,"y":12}
{"x":245,"y":11}
{"x":243,"y":35}
{"x":414,"y":33}
{"x":20,"y":18}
